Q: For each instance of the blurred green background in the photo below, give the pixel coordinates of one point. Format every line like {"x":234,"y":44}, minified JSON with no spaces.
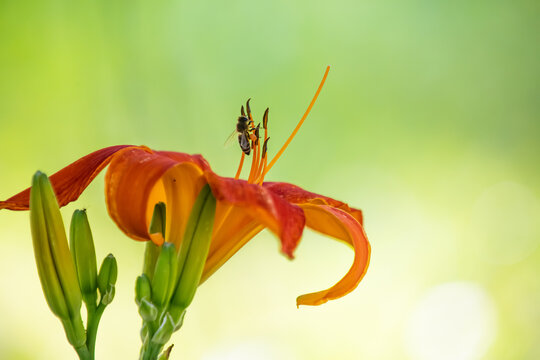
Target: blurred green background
{"x":429,"y":122}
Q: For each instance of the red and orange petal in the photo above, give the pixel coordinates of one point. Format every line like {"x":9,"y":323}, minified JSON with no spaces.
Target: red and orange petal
{"x":240,"y":227}
{"x":296,"y":195}
{"x":134,"y":174}
{"x":139,"y":177}
{"x":130,"y":182}
{"x":283,"y":218}
{"x":71,"y":181}
{"x":343,"y":226}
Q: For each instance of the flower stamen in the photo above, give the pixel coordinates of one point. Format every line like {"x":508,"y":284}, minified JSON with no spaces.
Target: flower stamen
{"x":260,"y":177}
{"x":237,"y":176}
{"x":255,"y":160}
{"x":259,"y":163}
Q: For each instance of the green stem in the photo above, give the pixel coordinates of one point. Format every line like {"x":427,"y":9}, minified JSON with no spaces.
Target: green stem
{"x":94,"y":316}
{"x":152,"y":351}
{"x":83,"y":353}
{"x":148,"y":349}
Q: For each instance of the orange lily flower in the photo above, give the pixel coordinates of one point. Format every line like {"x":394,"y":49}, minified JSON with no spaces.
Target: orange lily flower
{"x":138,"y":178}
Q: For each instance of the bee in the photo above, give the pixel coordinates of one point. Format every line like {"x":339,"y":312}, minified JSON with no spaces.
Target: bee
{"x":244,"y":126}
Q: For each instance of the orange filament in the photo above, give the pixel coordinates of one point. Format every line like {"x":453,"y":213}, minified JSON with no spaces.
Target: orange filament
{"x":240,"y":166}
{"x":260,"y":178}
{"x":255,"y":161}
{"x":220,"y":218}
{"x":276,"y":157}
{"x":259,"y":164}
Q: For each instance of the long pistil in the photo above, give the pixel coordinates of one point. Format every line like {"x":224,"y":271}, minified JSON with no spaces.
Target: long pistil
{"x":280,"y":152}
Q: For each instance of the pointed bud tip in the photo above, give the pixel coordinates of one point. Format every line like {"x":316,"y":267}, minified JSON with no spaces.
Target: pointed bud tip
{"x":108,"y":274}
{"x":38,"y":178}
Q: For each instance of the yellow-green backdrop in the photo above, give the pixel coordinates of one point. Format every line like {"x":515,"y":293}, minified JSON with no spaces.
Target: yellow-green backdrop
{"x":429,"y":122}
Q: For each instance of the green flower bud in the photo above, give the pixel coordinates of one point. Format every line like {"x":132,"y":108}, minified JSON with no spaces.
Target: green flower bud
{"x":194,"y":248}
{"x":151,"y":252}
{"x":55,"y":265}
{"x":147,"y":310}
{"x":164,"y":276}
{"x":143,"y":289}
{"x":177,"y":314}
{"x":157,"y":224}
{"x":165,"y":330}
{"x":107,"y":279}
{"x":84,"y":256}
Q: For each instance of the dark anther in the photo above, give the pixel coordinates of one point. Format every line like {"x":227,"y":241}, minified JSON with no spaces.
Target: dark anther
{"x":257,"y":133}
{"x":242,"y":111}
{"x":265,"y":118}
{"x":248,"y":108}
{"x":264,"y":147}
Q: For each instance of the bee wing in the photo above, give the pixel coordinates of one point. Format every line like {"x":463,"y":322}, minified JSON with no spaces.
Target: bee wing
{"x":230,"y":139}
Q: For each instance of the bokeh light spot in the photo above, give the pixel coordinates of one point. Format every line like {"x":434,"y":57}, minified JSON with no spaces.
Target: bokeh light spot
{"x":504,"y":223}
{"x":452,"y":321}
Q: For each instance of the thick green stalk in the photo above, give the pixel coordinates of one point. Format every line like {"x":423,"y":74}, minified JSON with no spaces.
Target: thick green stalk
{"x":83,"y":353}
{"x":94,"y":316}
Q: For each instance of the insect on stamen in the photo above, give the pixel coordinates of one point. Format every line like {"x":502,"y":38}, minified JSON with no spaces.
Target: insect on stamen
{"x":248,"y":132}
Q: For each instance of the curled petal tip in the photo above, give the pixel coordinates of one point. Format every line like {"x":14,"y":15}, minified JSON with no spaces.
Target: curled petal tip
{"x":341,"y":225}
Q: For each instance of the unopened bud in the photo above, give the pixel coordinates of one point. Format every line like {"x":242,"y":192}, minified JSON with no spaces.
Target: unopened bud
{"x":147,"y":310}
{"x":142,"y":289}
{"x":108,"y":273}
{"x":84,"y":256}
{"x":177,"y":314}
{"x":157,"y":226}
{"x":164,"y":275}
{"x":194,"y":248}
{"x":55,"y":265}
